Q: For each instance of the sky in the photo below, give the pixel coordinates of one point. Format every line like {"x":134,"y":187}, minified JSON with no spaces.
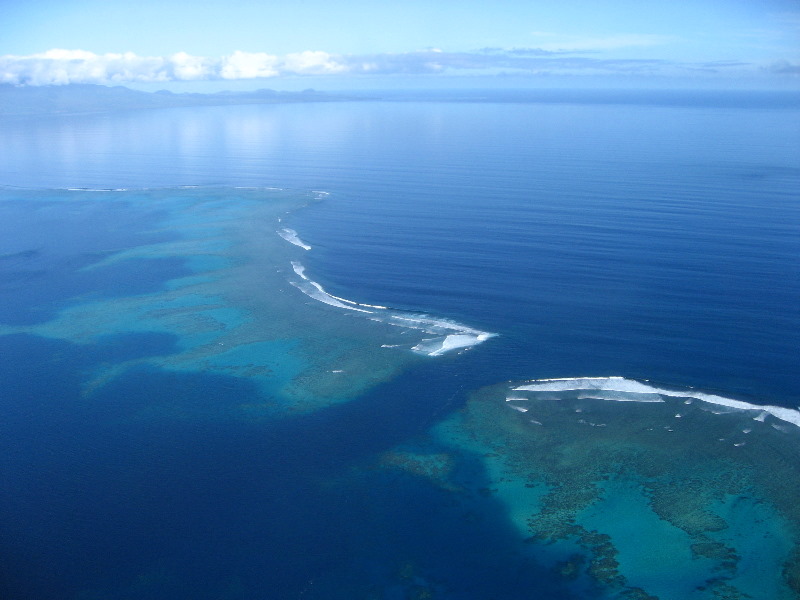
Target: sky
{"x":373,"y":44}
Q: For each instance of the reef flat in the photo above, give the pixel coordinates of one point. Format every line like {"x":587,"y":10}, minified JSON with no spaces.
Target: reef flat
{"x":646,"y":494}
{"x":229,"y":308}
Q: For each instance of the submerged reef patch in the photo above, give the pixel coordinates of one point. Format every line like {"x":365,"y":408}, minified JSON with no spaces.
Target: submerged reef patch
{"x":230,"y":306}
{"x":669,"y":496}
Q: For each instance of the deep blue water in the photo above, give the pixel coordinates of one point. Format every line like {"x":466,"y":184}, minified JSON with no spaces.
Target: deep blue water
{"x":43,"y":250}
{"x":648,"y":241}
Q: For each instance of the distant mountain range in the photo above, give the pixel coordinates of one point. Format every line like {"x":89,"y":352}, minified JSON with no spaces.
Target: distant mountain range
{"x":87,"y":98}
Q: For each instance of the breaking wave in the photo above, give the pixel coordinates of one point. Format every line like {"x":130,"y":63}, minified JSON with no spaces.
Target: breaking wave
{"x":621,"y":389}
{"x":445,"y":335}
{"x":290,"y":235}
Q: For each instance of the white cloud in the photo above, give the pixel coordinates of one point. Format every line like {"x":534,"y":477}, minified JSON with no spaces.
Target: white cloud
{"x":59,"y":66}
{"x":61,"y":54}
{"x":248,"y":65}
{"x":186,"y":67}
{"x":313,"y":63}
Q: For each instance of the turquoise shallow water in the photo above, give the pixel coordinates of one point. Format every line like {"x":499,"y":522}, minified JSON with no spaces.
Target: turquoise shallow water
{"x":666,"y":497}
{"x":196,"y":404}
{"x":650,"y":550}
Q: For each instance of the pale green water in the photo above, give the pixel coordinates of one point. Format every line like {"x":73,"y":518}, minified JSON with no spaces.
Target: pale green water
{"x":237,"y":315}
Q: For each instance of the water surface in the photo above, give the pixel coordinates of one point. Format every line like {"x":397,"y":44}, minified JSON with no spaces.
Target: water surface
{"x":312,"y":391}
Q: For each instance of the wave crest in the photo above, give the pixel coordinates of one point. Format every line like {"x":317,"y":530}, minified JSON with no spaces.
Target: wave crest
{"x":622,"y":389}
{"x":290,"y":235}
{"x":448,"y":335}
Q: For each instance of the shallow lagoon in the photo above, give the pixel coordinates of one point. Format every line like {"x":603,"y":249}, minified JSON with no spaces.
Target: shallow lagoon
{"x":669,"y":497}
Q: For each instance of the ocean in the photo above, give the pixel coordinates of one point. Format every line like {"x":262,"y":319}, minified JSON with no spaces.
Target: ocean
{"x":503,"y":347}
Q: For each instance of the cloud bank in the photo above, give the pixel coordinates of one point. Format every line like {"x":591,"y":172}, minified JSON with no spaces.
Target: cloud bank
{"x":59,"y":67}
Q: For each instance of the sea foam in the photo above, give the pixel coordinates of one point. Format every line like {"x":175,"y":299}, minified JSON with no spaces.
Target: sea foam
{"x":620,"y":388}
{"x":290,"y":235}
{"x":453,"y":341}
{"x":314,"y":290}
{"x":447,"y":335}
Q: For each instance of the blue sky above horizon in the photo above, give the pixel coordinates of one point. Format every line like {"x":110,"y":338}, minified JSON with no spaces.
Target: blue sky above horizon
{"x":245,"y":44}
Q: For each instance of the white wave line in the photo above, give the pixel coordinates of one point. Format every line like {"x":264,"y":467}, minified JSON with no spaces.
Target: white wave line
{"x":623,"y":385}
{"x":449,"y":335}
{"x":359,"y":303}
{"x":299,"y":269}
{"x":317,"y":292}
{"x":290,"y":235}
